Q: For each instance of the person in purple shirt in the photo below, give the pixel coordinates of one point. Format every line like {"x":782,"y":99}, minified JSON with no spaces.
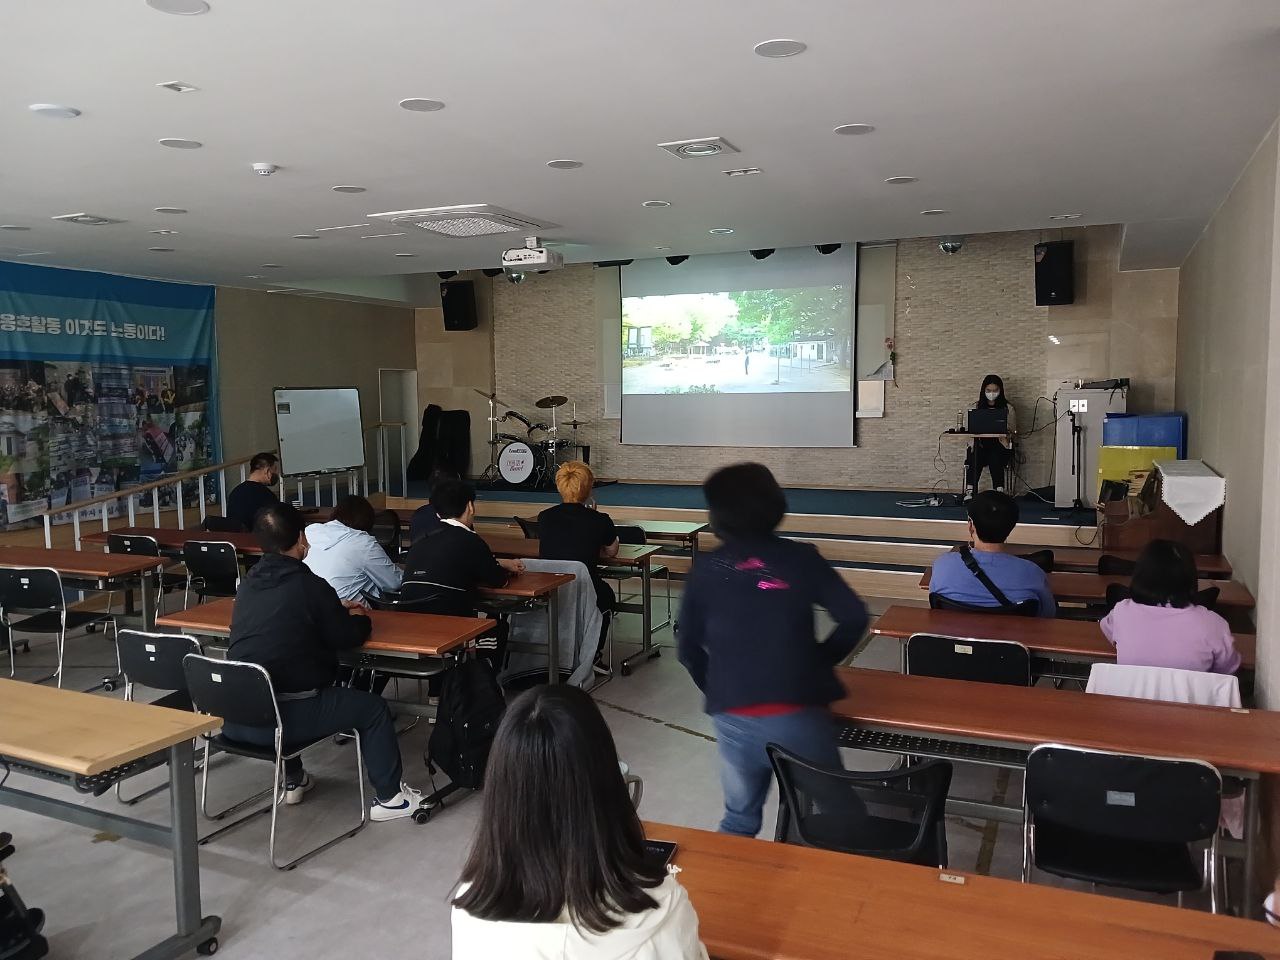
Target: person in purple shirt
{"x":992,"y":517}
{"x":1160,"y":624}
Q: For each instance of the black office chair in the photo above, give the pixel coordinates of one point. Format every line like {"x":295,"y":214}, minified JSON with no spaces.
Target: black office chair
{"x":215,"y":524}
{"x":140,"y":545}
{"x":213,"y":569}
{"x":955,"y":658}
{"x":528,"y":527}
{"x":890,"y":814}
{"x":619,"y":573}
{"x":241,"y":693}
{"x":386,"y":530}
{"x":1121,"y":820}
{"x":1115,"y":566}
{"x":1023,"y":608}
{"x":1041,"y":558}
{"x":154,"y":660}
{"x":35,"y":595}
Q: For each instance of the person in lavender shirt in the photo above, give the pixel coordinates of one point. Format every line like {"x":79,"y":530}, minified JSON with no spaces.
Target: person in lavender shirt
{"x":1160,"y":624}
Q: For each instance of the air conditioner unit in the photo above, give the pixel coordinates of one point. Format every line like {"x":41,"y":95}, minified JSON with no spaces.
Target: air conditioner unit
{"x":464,"y":220}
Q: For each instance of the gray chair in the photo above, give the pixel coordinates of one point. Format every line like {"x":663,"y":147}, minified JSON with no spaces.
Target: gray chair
{"x":618,"y":573}
{"x":36,"y":596}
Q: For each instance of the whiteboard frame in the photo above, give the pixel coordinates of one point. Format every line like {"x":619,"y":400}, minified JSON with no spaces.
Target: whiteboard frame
{"x":280,"y":440}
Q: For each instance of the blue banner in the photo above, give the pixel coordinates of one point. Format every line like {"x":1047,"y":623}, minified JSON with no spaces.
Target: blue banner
{"x":105,"y":382}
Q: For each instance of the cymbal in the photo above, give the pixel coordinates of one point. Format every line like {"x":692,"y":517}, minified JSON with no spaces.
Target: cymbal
{"x":575,"y":423}
{"x":548,"y":403}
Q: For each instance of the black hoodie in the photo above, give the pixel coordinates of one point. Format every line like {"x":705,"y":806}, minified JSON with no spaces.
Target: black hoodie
{"x":291,"y":621}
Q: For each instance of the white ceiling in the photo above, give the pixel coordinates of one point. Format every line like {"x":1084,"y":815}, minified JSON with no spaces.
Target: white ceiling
{"x":1008,"y":112}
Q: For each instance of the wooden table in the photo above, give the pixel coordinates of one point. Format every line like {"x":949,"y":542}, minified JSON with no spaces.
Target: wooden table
{"x":1078,"y":641}
{"x":92,"y":571}
{"x":92,"y":742}
{"x":1085,"y":560}
{"x":997,"y":725}
{"x":639,"y":556}
{"x":758,"y":900}
{"x":537,"y":589}
{"x":1092,"y":588}
{"x":171,"y":538}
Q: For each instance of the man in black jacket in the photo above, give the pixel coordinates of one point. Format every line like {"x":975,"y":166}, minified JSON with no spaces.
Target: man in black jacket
{"x":253,"y":494}
{"x":291,"y":622}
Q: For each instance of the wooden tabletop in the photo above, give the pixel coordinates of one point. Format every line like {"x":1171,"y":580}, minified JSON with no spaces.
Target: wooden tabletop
{"x":394,"y":631}
{"x":1073,"y":638}
{"x":84,"y":734}
{"x":513,"y":547}
{"x":1236,"y":740}
{"x":1085,"y":559}
{"x":1092,"y":588}
{"x":529,"y":585}
{"x":171,"y":538}
{"x":756,"y":900}
{"x":78,"y":563}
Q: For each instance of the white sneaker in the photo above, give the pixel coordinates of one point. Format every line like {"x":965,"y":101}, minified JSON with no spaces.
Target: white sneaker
{"x":403,"y":804}
{"x":293,"y":792}
{"x":968,"y":495}
{"x":999,"y":489}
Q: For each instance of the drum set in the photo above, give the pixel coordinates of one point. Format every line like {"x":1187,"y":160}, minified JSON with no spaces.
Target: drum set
{"x":528,"y":461}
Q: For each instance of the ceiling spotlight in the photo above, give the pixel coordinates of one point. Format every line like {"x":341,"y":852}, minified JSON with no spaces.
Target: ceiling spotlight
{"x":742,"y":172}
{"x":446,"y":274}
{"x":54,"y":110}
{"x":180,"y":8}
{"x":677,"y":260}
{"x":898,"y":180}
{"x":826,"y":248}
{"x":564,"y":164}
{"x":419,"y":105}
{"x":776,"y":49}
{"x":347,"y":188}
{"x":170,"y":210}
{"x":160,"y":249}
{"x":853,"y":129}
{"x":491,"y":271}
{"x":12,"y":226}
{"x":86,"y":219}
{"x":265,"y":169}
{"x":164,"y":233}
{"x":698,"y":147}
{"x":253,"y":276}
{"x":655,"y":204}
{"x":933,"y":213}
{"x":178,"y":86}
{"x":305,"y":236}
{"x":662,"y":248}
{"x":761,"y":254}
{"x":178,"y":143}
{"x":273,"y":266}
{"x":720,"y":231}
{"x":1067,"y":216}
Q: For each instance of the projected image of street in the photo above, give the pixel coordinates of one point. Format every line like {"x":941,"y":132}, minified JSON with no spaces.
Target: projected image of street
{"x":791,"y":340}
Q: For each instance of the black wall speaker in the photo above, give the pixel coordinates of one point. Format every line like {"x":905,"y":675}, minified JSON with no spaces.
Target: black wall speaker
{"x":459,"y":302}
{"x":1055,"y":273}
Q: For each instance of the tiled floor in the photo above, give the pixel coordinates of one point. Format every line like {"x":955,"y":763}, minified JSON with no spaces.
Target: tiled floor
{"x":384,"y":893}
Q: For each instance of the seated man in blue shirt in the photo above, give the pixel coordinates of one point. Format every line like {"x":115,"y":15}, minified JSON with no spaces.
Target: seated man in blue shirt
{"x":992,"y":517}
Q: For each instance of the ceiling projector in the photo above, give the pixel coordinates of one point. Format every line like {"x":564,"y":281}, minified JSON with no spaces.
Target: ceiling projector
{"x":532,"y":256}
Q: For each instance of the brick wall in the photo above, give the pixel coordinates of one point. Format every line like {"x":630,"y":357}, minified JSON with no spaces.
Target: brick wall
{"x":957,"y":318}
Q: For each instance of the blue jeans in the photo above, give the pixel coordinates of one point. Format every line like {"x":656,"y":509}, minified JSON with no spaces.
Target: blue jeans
{"x":745,"y":773}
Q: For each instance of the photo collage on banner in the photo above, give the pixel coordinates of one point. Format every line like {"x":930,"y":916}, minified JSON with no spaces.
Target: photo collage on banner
{"x":106,"y":383}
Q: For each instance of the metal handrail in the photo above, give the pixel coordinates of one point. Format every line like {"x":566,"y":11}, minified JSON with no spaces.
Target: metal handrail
{"x":168,"y":480}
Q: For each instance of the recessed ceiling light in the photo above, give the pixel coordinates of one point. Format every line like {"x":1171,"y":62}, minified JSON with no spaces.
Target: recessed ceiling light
{"x":698,"y":147}
{"x":57,"y":111}
{"x":1067,"y":216}
{"x":420,"y":105}
{"x":161,"y":249}
{"x":178,"y":143}
{"x":272,"y":266}
{"x":178,"y":86}
{"x":655,"y":204}
{"x":347,"y":188}
{"x":305,"y":236}
{"x":345,"y":226}
{"x":379,"y":236}
{"x":33,"y":253}
{"x":853,"y":129}
{"x":898,"y":180}
{"x":86,"y":219}
{"x":564,"y":164}
{"x":12,"y":226}
{"x":164,"y":233}
{"x":171,"y":209}
{"x":406,"y":254}
{"x":779,"y":48}
{"x":742,"y":172}
{"x":180,"y":8}
{"x":721,"y":231}
{"x":933,"y":213}
{"x":254,"y":276}
{"x":662,"y":248}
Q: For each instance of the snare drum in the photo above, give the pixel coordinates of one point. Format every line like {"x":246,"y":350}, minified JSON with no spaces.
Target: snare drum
{"x":516,"y":462}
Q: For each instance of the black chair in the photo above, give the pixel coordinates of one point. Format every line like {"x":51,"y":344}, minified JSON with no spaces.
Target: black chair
{"x":213,"y":569}
{"x":1121,"y":820}
{"x":386,"y":530}
{"x":1115,"y":566}
{"x":241,"y":693}
{"x":154,"y":660}
{"x":528,"y":527}
{"x":890,"y":814}
{"x":1041,"y":558}
{"x":140,"y":545}
{"x":35,"y":594}
{"x":955,"y":658}
{"x":1023,"y":608}
{"x":215,"y":524}
{"x":618,"y":573}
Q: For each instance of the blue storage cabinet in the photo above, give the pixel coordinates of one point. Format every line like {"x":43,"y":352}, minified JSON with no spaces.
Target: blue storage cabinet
{"x":1146,"y":430}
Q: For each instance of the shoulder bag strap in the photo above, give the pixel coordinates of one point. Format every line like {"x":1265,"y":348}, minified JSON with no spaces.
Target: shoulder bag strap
{"x":971,"y":562}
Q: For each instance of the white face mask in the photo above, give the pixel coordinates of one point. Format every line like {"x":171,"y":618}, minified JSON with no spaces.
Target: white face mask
{"x":993,"y":395}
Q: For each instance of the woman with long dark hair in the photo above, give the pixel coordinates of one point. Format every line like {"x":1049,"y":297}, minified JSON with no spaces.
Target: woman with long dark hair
{"x":992,"y":453}
{"x":558,"y":866}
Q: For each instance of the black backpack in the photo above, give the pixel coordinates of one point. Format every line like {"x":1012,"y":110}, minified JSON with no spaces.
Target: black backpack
{"x":471,"y":706}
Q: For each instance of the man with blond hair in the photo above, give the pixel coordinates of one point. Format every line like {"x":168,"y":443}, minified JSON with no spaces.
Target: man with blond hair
{"x":576,"y":530}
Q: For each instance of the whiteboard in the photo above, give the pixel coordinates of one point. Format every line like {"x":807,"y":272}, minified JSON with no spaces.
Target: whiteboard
{"x":319,"y":429}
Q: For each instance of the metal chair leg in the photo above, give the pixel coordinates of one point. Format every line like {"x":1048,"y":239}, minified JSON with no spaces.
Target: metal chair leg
{"x":364,"y":813}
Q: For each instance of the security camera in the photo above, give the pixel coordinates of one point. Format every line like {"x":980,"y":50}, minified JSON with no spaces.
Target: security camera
{"x":515,"y":276}
{"x":950,"y":245}
{"x":265,"y":169}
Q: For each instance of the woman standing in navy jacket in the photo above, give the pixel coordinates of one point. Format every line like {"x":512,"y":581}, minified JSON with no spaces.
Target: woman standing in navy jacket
{"x":746,"y":637}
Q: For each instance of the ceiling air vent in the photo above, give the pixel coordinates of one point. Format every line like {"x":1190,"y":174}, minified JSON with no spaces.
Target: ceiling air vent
{"x":464,"y":220}
{"x":88,"y":219}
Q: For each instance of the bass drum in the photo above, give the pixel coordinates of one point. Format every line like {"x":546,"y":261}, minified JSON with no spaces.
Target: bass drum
{"x":517,"y":463}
